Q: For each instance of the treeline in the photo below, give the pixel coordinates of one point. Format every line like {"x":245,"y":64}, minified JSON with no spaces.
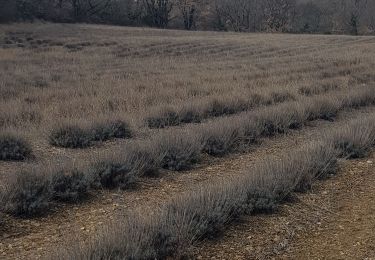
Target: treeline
{"x":299,"y":16}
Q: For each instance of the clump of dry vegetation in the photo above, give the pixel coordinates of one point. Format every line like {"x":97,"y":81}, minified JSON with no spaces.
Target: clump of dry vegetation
{"x":109,"y":174}
{"x":356,"y":140}
{"x":222,"y":139}
{"x":32,"y":193}
{"x":317,"y":89}
{"x":180,"y":150}
{"x":14,"y":148}
{"x":71,"y":136}
{"x":214,"y":108}
{"x":26,"y":194}
{"x":69,"y":187}
{"x":121,"y":169}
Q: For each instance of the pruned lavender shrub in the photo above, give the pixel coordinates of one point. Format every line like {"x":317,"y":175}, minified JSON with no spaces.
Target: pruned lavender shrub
{"x":70,"y":137}
{"x":69,"y":187}
{"x":108,"y":174}
{"x":122,"y":170}
{"x":190,"y":114}
{"x":26,"y":194}
{"x":165,"y":117}
{"x":179,"y":151}
{"x":355,"y":140}
{"x":222,"y":139}
{"x":110,"y":130}
{"x":73,"y":136}
{"x":14,"y":148}
{"x":280,"y":97}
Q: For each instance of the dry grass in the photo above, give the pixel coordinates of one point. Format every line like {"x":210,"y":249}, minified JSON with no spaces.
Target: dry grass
{"x":144,"y":70}
{"x":143,"y":100}
{"x":67,"y":87}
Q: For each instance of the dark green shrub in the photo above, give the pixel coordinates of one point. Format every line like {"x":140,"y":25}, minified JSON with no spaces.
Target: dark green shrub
{"x":220,"y":108}
{"x":292,"y":118}
{"x":70,"y":137}
{"x":317,"y":89}
{"x":73,"y":47}
{"x":323,"y":109}
{"x":179,"y":151}
{"x":250,"y":131}
{"x":320,"y":163}
{"x":269,"y":128}
{"x":261,"y":201}
{"x":40,"y":83}
{"x":26,"y":194}
{"x":121,"y":170}
{"x":76,"y":137}
{"x":190,"y":115}
{"x":176,"y":160}
{"x":144,"y":160}
{"x":110,"y":130}
{"x":69,"y":187}
{"x":307,"y":91}
{"x":222,"y":140}
{"x":351,"y":150}
{"x":111,"y":175}
{"x":361,"y":98}
{"x":165,"y":118}
{"x":257,"y":100}
{"x":356,"y":140}
{"x":280,"y":97}
{"x":14,"y":148}
{"x":270,"y":185}
{"x":164,"y":244}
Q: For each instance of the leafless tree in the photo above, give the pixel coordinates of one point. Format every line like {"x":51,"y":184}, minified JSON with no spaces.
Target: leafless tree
{"x":240,"y":15}
{"x":87,"y":8}
{"x":189,"y":12}
{"x":357,"y":9}
{"x":158,"y":12}
{"x":278,"y":14}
